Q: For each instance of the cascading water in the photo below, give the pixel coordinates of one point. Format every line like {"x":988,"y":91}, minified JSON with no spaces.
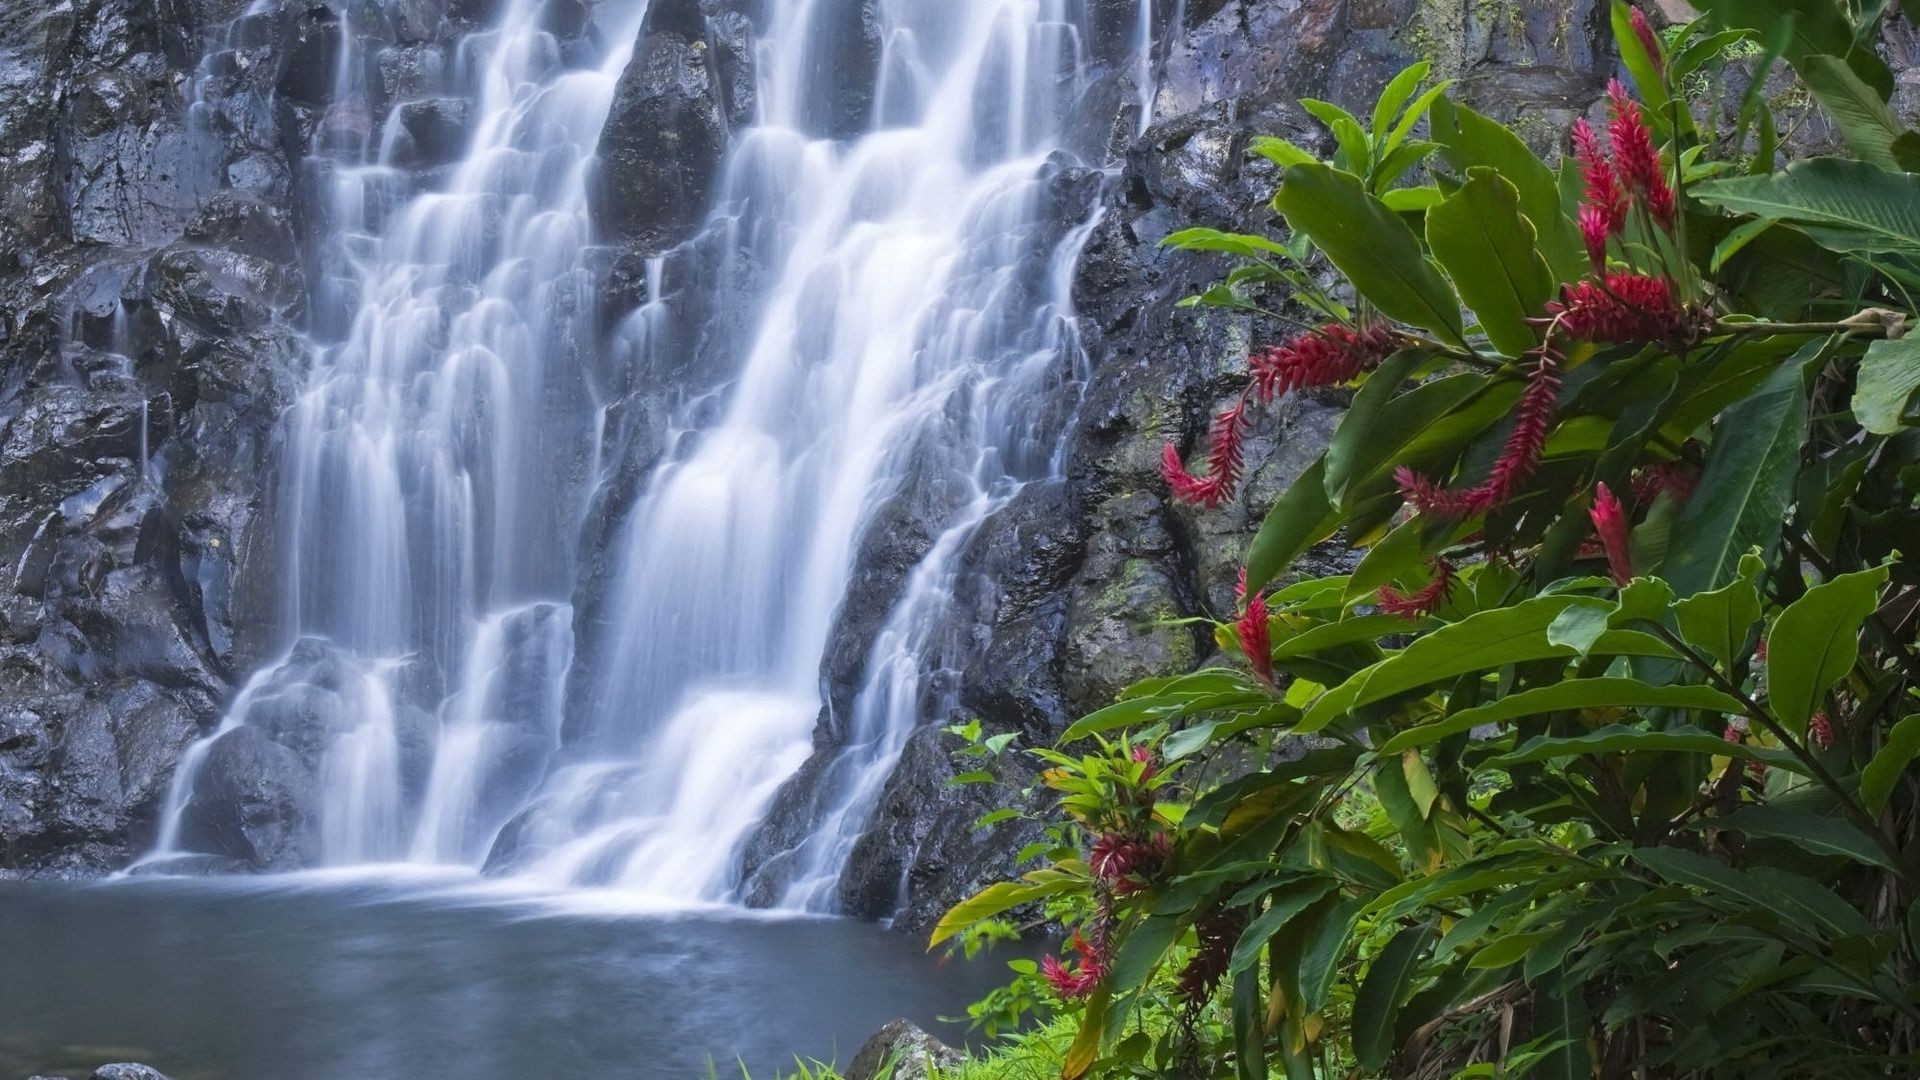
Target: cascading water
{"x":910,"y":332}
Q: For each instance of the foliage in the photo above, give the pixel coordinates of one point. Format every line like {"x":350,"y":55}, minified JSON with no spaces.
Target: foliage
{"x":1598,"y":761}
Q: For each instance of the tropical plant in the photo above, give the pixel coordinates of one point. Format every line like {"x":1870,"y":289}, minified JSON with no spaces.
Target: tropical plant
{"x":1598,"y":761}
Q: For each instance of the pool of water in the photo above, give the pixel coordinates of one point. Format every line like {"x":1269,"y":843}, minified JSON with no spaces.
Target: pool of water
{"x":329,"y":979}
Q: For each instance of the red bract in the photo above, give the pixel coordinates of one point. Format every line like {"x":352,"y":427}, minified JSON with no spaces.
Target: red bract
{"x":1080,"y":980}
{"x":1638,"y":160}
{"x":1603,"y":194}
{"x":1217,"y":934}
{"x":1594,"y":228}
{"x":1423,"y":602}
{"x":1225,"y":458}
{"x":1327,"y":356}
{"x":1533,"y":422}
{"x":1676,"y":478}
{"x":1610,"y":521}
{"x":1625,"y":308}
{"x":1820,"y":729}
{"x":1649,"y":41}
{"x":1256,"y":639}
{"x":1144,"y":755}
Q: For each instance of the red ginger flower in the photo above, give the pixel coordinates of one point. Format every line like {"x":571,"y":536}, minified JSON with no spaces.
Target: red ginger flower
{"x":1677,"y":478}
{"x":1820,"y":729}
{"x":1623,"y":309}
{"x":1256,"y":639}
{"x":1144,"y":755}
{"x":1605,"y":209}
{"x":1225,"y":459}
{"x":1080,"y":980}
{"x":1519,"y":458}
{"x":1218,"y":933}
{"x":1595,"y":226}
{"x":1649,"y":40}
{"x":1639,"y":160}
{"x":1610,"y":521}
{"x":1423,"y":602}
{"x":1326,"y":356}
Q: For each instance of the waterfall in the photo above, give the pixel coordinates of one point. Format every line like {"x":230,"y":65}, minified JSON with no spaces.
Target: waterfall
{"x":903,"y":331}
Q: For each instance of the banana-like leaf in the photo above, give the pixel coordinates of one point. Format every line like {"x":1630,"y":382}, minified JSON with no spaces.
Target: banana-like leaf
{"x":1815,"y":642}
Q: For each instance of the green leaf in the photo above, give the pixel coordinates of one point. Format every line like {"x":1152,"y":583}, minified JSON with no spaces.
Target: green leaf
{"x":1000,"y":897}
{"x":1619,"y":739}
{"x":1370,"y":245}
{"x":1721,"y":622}
{"x":1242,"y":244}
{"x":1481,"y":237}
{"x":1807,"y":27}
{"x":1377,"y":1005}
{"x":1325,"y":945}
{"x":1287,"y":902}
{"x":1249,"y":1024}
{"x":1889,"y":374}
{"x":1845,"y":205}
{"x":1469,"y":140}
{"x":1508,"y":950}
{"x":1280,"y":151}
{"x":1794,"y":899}
{"x":1299,"y":519}
{"x":1877,"y":780}
{"x":1643,"y":66}
{"x":1431,"y":419}
{"x":1396,"y":95}
{"x":1141,"y":951}
{"x":1747,"y":486}
{"x":1484,"y":640}
{"x":1821,"y":835}
{"x":1815,"y":641}
{"x":1595,"y":693}
{"x":1579,"y":628}
{"x":1868,"y":125}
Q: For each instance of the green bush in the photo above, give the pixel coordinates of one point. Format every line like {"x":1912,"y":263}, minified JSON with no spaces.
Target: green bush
{"x":1599,"y":761}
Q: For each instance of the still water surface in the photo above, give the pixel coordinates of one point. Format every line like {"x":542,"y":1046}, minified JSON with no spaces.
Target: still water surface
{"x":324,"y":978}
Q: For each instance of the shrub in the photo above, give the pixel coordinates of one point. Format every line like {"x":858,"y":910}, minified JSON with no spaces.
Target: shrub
{"x":1598,"y":762}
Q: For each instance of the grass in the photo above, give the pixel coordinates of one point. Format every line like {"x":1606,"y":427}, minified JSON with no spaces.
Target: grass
{"x":1031,"y":1055}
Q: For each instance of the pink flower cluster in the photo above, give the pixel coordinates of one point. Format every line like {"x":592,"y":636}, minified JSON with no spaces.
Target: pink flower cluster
{"x":1421,"y":602}
{"x":1519,"y":457}
{"x":1254,"y":632}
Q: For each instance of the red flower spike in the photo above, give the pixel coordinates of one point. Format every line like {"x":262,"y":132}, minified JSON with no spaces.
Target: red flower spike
{"x":1533,"y":422}
{"x":1144,"y":755}
{"x":1625,"y":308}
{"x":1425,"y":601}
{"x":1603,"y":192}
{"x":1649,"y":40}
{"x":1225,"y":459}
{"x":1639,"y":161}
{"x":1820,"y":729}
{"x":1610,"y":521}
{"x":1256,"y":639}
{"x":1327,"y":356}
{"x":1594,"y":228}
{"x":1217,"y":933}
{"x":1080,"y":980}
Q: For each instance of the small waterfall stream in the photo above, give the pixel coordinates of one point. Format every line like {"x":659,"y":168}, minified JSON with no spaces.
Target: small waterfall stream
{"x":908,"y":336}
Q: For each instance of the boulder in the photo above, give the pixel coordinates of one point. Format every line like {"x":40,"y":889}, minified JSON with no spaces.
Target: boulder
{"x":254,"y":800}
{"x":127,"y":1070}
{"x":902,"y":1051}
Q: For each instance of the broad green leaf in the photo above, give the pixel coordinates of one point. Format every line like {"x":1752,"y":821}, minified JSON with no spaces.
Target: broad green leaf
{"x":1086,"y":1044}
{"x":1484,"y":241}
{"x":1747,"y":486}
{"x":1889,"y":374}
{"x":1720,"y":622}
{"x":1580,"y":628}
{"x":1396,"y":95}
{"x":1001,"y":896}
{"x":1563,"y":1019}
{"x":1845,"y":205}
{"x":1431,"y":420}
{"x":1481,"y":641}
{"x":1371,"y":246}
{"x":1326,"y":943}
{"x":1594,"y":693}
{"x":1508,"y":949}
{"x":1299,"y":519}
{"x":1280,"y":151}
{"x":1808,"y":27}
{"x":1794,"y":899}
{"x":1285,"y":904}
{"x":1645,"y":67}
{"x":1619,"y":739}
{"x":1242,"y":244}
{"x":1866,"y":122}
{"x":1823,"y":835}
{"x":1141,"y":951}
{"x":1815,"y":641}
{"x":1470,"y":140}
{"x":1249,"y":1024}
{"x":1377,"y":1005}
{"x":1877,"y":780}
{"x":1135,"y":712}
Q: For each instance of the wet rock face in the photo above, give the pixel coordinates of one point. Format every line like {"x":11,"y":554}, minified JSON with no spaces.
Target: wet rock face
{"x":148,"y":298}
{"x":667,"y":132}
